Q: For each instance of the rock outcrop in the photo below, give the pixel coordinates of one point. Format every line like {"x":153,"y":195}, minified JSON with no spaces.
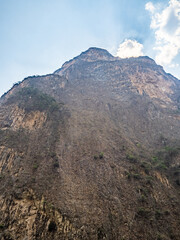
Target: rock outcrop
{"x":91,"y":151}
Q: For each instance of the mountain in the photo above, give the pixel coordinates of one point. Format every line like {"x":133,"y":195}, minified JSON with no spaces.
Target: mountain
{"x":91,"y":151}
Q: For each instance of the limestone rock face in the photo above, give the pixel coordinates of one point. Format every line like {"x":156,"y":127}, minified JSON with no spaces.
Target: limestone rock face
{"x":91,"y":151}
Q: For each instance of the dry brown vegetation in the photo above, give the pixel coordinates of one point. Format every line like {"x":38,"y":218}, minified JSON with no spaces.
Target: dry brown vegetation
{"x":89,"y":153}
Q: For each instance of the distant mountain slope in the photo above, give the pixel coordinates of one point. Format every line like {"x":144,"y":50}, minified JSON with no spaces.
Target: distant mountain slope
{"x":91,"y":151}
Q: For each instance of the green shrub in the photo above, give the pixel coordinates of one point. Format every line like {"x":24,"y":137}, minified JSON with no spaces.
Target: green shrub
{"x":161,"y":166}
{"x":52,"y":154}
{"x":129,"y":176}
{"x":158,"y":214}
{"x":172,"y":152}
{"x":143,"y":198}
{"x":155,"y":159}
{"x":16,"y":84}
{"x":143,"y":212}
{"x":136,"y":176}
{"x":101,"y":155}
{"x":146,"y":167}
{"x":149,"y":179}
{"x":35,"y":166}
{"x":131,"y":157}
{"x":33,"y":179}
{"x":2,"y":226}
{"x":138,"y":145}
{"x":31,"y":99}
{"x":1,"y":176}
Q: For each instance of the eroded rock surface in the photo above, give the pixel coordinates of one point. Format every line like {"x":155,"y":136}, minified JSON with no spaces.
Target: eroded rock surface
{"x":91,"y":152}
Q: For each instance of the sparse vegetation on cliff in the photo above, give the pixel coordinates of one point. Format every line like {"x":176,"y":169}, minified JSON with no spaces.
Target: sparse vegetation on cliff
{"x":103,"y":165}
{"x":31,"y":99}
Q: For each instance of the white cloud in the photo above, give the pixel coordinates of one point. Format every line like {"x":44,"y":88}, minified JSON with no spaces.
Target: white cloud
{"x":150,"y":7}
{"x":130,"y":48}
{"x":166,"y":23}
{"x":174,"y":65}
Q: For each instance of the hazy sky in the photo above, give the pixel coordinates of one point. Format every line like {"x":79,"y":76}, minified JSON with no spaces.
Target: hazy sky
{"x":38,"y":36}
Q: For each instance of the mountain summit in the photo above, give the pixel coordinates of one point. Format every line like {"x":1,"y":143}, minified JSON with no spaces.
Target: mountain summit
{"x":93,"y":54}
{"x":91,"y":151}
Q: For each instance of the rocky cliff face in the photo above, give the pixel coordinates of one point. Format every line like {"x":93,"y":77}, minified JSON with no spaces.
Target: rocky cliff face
{"x":91,"y":152}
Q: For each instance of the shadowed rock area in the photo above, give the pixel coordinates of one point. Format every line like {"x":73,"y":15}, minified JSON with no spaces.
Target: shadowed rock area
{"x":92,"y":152}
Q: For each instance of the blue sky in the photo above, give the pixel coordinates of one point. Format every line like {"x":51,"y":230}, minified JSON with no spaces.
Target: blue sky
{"x":38,"y":36}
